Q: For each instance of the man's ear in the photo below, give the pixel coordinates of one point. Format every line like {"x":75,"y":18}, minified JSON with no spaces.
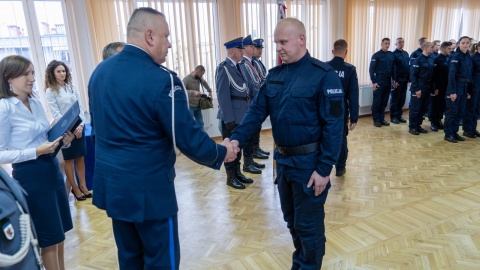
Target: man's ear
{"x":149,"y":37}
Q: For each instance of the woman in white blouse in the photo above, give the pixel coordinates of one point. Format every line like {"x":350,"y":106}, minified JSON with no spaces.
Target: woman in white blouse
{"x":23,"y":142}
{"x":60,"y":96}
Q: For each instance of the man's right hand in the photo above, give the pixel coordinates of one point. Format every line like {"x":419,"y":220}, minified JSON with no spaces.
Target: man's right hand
{"x":230,"y":126}
{"x":453,"y":97}
{"x":197,"y":93}
{"x":231,"y":154}
{"x":375,"y":86}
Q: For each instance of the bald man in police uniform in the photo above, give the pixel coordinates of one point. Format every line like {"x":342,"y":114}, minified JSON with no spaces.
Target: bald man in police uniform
{"x":304,"y":99}
{"x":233,"y":102}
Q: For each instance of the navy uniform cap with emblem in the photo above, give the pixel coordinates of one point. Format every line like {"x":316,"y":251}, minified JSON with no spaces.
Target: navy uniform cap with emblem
{"x":258,"y":43}
{"x":234,"y":43}
{"x":247,"y":40}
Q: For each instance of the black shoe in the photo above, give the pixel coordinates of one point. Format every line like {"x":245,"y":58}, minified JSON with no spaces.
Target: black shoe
{"x":450,"y":139}
{"x":477,"y":133}
{"x":395,"y":121}
{"x":433,"y":127}
{"x":469,"y":134}
{"x":440,"y":125}
{"x":458,"y":137}
{"x":258,"y":165}
{"x":341,"y":173}
{"x":377,"y":124}
{"x":233,"y":181}
{"x":259,"y":155}
{"x":81,"y":198}
{"x":384,"y":123}
{"x":242,"y":178}
{"x":251,"y":169}
{"x":402,"y":120}
{"x":263,"y":151}
{"x":422,"y":130}
{"x":413,"y":131}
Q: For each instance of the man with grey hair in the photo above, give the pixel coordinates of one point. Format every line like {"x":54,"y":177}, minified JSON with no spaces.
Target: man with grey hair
{"x":141,"y":116}
{"x":112,"y":49}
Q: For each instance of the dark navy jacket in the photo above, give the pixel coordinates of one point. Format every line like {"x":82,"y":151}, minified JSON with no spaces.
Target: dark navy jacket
{"x":460,"y":73}
{"x":382,"y":67}
{"x":402,"y":65}
{"x":232,"y":92}
{"x":440,"y":73}
{"x":348,"y":77}
{"x":131,"y":98}
{"x":415,"y":54}
{"x":421,"y":74}
{"x":305,"y":103}
{"x":476,"y":70}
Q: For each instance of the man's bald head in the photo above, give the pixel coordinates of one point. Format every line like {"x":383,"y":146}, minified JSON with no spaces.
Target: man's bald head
{"x":141,"y":19}
{"x":290,"y":40}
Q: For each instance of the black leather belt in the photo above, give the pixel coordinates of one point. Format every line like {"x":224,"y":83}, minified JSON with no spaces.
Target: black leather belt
{"x":299,"y":150}
{"x":239,"y":98}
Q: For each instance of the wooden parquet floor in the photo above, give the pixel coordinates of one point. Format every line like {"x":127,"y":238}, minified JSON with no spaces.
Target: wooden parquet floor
{"x":406,"y":202}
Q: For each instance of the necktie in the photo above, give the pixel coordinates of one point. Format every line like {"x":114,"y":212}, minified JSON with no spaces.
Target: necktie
{"x":238,"y":67}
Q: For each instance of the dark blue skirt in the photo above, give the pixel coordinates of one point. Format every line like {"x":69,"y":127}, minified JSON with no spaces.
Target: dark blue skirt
{"x":46,"y":197}
{"x":77,"y":148}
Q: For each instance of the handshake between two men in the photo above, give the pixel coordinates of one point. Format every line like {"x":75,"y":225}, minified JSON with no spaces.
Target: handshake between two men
{"x":232,"y":149}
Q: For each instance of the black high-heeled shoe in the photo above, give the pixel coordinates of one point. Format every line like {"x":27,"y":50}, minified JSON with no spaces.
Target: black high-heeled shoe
{"x":89,"y":195}
{"x":81,"y":198}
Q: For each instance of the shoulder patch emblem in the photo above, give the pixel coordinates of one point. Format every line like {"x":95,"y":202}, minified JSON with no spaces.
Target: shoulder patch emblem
{"x":176,"y":88}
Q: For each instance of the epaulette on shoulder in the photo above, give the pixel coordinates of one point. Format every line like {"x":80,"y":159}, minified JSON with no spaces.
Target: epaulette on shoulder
{"x":321,"y":64}
{"x":348,"y":64}
{"x":168,"y":70}
{"x":222,"y":63}
{"x":277,"y":67}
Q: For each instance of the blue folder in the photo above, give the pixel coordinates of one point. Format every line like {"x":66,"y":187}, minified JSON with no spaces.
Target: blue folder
{"x":69,"y":122}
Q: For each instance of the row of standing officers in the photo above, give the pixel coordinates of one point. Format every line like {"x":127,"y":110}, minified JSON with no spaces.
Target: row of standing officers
{"x":441,"y":83}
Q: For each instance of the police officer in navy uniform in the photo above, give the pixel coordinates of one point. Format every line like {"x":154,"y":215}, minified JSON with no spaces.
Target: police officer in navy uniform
{"x":470,"y":117}
{"x":304,"y":99}
{"x":348,"y":76}
{"x":459,"y":78}
{"x":440,"y":82}
{"x":382,"y":73}
{"x":137,"y":134}
{"x":418,"y":52}
{"x":254,"y":81}
{"x":421,"y":77}
{"x":262,"y":71}
{"x":233,"y":101}
{"x":399,"y":91}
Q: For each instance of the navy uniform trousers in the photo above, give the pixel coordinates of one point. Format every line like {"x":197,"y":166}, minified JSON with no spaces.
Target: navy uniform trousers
{"x":453,"y":114}
{"x":140,"y":251}
{"x":470,"y":117}
{"x":418,"y":108}
{"x":397,"y":100}
{"x":380,"y":99}
{"x":304,"y":213}
{"x":342,"y":158}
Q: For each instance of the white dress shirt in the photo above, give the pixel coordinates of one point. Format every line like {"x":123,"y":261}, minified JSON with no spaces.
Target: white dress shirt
{"x":59,"y":103}
{"x":21,"y":130}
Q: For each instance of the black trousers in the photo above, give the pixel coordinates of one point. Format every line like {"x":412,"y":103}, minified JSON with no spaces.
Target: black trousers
{"x":230,"y":166}
{"x":397,"y":100}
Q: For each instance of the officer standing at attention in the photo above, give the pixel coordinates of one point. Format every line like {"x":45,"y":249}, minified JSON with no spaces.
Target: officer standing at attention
{"x":472,"y":109}
{"x":262,"y":71}
{"x":304,"y":99}
{"x":348,"y":76}
{"x":252,"y":77}
{"x":382,"y":72}
{"x":440,"y":82}
{"x":399,"y":92}
{"x":421,"y":78}
{"x":233,"y":102}
{"x":418,"y":52}
{"x":459,"y":77}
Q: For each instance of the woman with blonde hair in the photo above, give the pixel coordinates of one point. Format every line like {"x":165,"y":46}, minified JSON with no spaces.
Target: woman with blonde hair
{"x":60,"y":96}
{"x":23,"y":142}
